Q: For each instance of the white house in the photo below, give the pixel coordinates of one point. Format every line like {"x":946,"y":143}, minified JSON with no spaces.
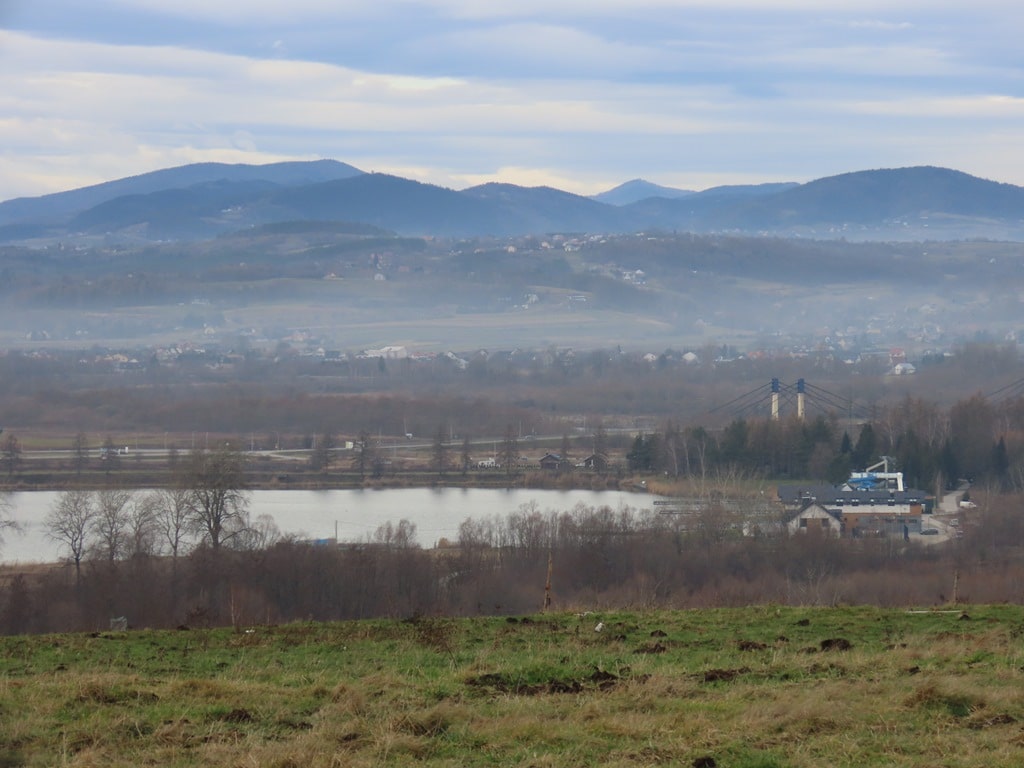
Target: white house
{"x":814,"y":517}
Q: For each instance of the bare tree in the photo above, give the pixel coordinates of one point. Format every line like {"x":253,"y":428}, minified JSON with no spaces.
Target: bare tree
{"x":12,"y":453}
{"x":600,"y":440}
{"x":322,"y":453}
{"x":440,"y":451}
{"x":110,"y":522}
{"x":109,"y":455}
{"x":263,"y":533}
{"x":509,"y":450}
{"x":564,"y":453}
{"x":217,"y":499}
{"x":600,"y":448}
{"x":80,"y":451}
{"x":172,"y":513}
{"x":7,"y":523}
{"x":365,"y":456}
{"x":401,"y":536}
{"x":69,"y":523}
{"x":142,"y":531}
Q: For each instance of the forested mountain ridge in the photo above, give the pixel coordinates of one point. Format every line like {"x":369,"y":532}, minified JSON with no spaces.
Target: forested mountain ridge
{"x":205,"y":200}
{"x":83,"y":198}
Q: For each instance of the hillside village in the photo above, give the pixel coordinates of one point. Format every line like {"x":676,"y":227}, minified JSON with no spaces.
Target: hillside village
{"x":751,"y":298}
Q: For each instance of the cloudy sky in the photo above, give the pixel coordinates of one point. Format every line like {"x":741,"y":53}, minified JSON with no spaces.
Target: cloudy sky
{"x":578,"y":94}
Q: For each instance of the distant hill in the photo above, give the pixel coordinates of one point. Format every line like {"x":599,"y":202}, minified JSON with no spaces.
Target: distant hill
{"x":902,"y":203}
{"x":60,"y":205}
{"x":745,"y":190}
{"x":694,"y":211}
{"x":637,"y":190}
{"x":544,"y":209}
{"x":196,"y":202}
{"x":390,"y":202}
{"x":871,"y":197}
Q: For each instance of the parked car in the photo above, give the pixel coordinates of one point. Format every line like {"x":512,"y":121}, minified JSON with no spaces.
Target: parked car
{"x":929,"y":531}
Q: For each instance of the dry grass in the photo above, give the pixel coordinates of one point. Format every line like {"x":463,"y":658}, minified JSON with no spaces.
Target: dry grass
{"x":745,"y":687}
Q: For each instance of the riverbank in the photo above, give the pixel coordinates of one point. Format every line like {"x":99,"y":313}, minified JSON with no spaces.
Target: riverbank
{"x":285,"y":479}
{"x":343,"y":515}
{"x":277,"y":471}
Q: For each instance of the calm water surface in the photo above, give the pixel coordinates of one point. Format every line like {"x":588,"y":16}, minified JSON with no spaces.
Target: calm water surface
{"x":354,"y":514}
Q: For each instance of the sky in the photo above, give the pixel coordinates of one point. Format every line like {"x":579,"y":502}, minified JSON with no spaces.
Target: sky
{"x":577,"y":94}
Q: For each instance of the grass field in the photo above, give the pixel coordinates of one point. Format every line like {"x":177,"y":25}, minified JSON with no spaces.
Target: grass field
{"x":765,"y":686}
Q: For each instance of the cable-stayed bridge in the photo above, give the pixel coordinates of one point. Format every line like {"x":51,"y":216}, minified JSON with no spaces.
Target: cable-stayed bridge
{"x":773,"y":399}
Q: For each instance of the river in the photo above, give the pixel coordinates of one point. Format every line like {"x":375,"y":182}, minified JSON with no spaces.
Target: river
{"x":351,"y":514}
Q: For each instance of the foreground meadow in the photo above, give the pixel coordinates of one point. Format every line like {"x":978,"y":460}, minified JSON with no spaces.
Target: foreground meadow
{"x":764,"y":686}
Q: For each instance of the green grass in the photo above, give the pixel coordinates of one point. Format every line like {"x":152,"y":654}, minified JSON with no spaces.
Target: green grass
{"x":766,"y":686}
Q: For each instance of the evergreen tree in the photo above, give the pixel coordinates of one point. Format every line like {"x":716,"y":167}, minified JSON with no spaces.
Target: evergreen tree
{"x":1000,"y":461}
{"x":440,"y":451}
{"x":464,"y":459}
{"x":839,"y":469}
{"x":638,"y":459}
{"x":734,"y":442}
{"x":865,"y":451}
{"x":949,"y":465}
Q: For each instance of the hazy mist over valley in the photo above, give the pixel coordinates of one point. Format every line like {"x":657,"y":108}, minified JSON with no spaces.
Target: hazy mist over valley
{"x":255,"y":257}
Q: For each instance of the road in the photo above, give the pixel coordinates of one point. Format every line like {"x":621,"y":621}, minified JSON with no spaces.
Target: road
{"x":946,"y":518}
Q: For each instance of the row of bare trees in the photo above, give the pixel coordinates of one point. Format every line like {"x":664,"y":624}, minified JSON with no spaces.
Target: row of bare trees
{"x":601,"y":558}
{"x":207,"y":503}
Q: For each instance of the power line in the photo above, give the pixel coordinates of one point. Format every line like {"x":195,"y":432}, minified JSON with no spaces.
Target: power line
{"x":1009,"y":392}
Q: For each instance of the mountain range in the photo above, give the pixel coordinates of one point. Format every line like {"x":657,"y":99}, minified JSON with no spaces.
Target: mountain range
{"x":206,"y":200}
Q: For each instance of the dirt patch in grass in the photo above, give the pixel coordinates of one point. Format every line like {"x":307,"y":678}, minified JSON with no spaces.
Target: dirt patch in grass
{"x":723,"y":675}
{"x":598,"y":680}
{"x":836,"y":644}
{"x":750,"y":645}
{"x":237,"y":715}
{"x":651,"y":648}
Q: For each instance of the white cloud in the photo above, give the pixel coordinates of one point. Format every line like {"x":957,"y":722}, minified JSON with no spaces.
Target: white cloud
{"x":879,"y":25}
{"x":545,"y":49}
{"x":261,"y":12}
{"x":575,"y":94}
{"x":972,"y":107}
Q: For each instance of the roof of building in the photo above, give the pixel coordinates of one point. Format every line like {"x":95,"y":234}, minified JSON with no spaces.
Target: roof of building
{"x":800,"y":495}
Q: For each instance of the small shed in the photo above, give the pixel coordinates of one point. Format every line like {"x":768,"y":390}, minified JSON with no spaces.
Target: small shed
{"x":551,"y":462}
{"x":595,"y":461}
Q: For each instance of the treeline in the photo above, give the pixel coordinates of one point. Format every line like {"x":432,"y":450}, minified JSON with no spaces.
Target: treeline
{"x":934,"y":448}
{"x":595,"y":558}
{"x":244,"y":391}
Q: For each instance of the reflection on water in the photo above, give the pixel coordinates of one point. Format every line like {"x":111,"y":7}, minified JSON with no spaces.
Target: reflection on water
{"x":351,"y":514}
